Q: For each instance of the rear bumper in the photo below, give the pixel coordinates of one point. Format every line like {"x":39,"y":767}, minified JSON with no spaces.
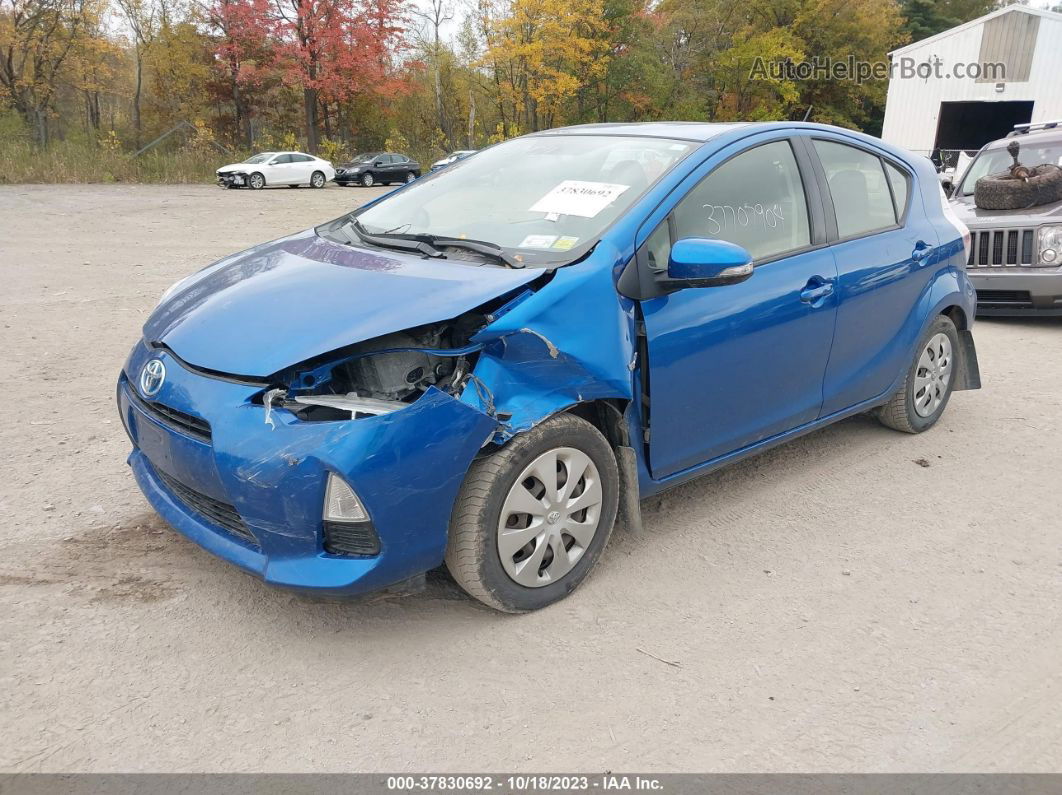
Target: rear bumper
{"x":1013,"y":291}
{"x":406,"y":467}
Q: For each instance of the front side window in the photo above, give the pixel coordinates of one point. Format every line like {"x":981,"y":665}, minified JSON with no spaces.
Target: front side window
{"x":862,"y":200}
{"x":755,"y":199}
{"x":281,"y":159}
{"x":544,"y":198}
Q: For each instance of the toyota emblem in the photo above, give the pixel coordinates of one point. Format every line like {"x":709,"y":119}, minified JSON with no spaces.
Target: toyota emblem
{"x":152,"y":377}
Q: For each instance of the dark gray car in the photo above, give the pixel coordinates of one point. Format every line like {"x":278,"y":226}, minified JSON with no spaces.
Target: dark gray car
{"x":378,"y":168}
{"x":1015,"y":259}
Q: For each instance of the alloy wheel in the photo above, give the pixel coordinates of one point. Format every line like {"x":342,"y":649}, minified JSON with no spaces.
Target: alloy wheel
{"x":549,"y":517}
{"x":932,"y":375}
{"x":257,"y":181}
{"x":317,"y":180}
{"x":367,"y":180}
{"x":410,"y":177}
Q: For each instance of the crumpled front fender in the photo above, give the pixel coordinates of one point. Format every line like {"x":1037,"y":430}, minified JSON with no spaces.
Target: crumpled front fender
{"x":569,"y":343}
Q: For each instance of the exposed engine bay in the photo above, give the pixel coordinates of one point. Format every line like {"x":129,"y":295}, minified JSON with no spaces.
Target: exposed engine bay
{"x":384,"y":374}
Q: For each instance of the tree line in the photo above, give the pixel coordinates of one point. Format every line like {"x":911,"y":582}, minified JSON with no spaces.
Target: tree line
{"x":428,"y":76}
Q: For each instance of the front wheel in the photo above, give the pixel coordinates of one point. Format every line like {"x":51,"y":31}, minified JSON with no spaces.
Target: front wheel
{"x":256,"y":181}
{"x":367,"y":181}
{"x":317,"y":180}
{"x":532,"y":519}
{"x":921,"y":399}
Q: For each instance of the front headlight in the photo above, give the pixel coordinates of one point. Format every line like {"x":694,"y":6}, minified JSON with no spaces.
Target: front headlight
{"x":1050,"y":243}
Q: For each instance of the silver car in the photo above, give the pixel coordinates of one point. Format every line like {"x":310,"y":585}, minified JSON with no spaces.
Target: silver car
{"x":1015,"y":259}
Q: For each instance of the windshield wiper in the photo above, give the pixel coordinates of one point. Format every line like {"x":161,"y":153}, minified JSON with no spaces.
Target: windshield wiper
{"x":429,"y":244}
{"x":401,"y":243}
{"x":479,"y":246}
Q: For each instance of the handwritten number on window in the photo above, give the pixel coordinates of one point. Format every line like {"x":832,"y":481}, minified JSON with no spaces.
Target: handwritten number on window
{"x":757,"y":216}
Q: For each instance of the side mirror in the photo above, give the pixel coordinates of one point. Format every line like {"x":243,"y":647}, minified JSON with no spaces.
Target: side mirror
{"x":377,"y":162}
{"x":700,"y":262}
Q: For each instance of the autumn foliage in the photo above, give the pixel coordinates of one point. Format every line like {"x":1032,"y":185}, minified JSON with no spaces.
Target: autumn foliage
{"x":339,"y":76}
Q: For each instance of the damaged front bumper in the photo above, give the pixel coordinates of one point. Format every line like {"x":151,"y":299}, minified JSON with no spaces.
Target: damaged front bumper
{"x":207,"y":460}
{"x":232,"y":178}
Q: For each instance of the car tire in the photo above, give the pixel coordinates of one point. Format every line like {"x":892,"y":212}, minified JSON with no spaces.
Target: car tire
{"x":256,"y":181}
{"x":410,"y":176}
{"x":496,"y":483}
{"x":367,"y":181}
{"x":921,"y":399}
{"x":317,"y":179}
{"x":1003,"y":191}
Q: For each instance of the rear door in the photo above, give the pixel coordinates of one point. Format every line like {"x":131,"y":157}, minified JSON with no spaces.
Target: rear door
{"x":731,"y":366}
{"x":885,"y":250}
{"x":302,"y":166}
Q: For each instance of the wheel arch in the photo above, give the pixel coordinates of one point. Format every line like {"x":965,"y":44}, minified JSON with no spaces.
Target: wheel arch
{"x":609,"y":416}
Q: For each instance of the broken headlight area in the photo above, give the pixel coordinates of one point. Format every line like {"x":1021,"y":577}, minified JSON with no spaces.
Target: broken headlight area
{"x":381,"y":375}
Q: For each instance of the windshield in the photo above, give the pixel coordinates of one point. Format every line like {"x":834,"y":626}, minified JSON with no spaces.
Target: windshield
{"x":364,"y":158}
{"x":541,"y":197}
{"x":259,"y":158}
{"x":992,"y":161}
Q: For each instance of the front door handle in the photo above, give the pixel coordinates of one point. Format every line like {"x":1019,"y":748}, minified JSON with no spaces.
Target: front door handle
{"x":817,"y":289}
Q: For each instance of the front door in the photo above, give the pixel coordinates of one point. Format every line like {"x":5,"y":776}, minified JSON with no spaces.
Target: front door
{"x":731,"y":366}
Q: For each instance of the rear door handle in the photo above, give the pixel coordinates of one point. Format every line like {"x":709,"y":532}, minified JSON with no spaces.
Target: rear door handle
{"x":921,"y":251}
{"x":816,"y":289}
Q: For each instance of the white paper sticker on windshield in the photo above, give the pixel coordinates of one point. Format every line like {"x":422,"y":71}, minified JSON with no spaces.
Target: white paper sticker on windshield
{"x":574,"y":197}
{"x":537,"y":241}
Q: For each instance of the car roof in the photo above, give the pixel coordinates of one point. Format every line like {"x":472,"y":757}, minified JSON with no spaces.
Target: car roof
{"x":685,"y":130}
{"x":1048,"y":136}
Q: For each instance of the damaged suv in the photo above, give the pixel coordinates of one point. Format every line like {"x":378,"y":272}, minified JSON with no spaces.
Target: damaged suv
{"x":487,"y":366}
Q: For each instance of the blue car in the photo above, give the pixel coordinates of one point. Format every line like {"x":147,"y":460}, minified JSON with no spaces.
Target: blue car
{"x":490,"y":365}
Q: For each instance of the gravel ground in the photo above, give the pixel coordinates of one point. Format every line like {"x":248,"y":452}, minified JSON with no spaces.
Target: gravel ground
{"x":860,"y":600}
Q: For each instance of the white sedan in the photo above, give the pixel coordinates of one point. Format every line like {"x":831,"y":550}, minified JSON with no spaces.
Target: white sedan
{"x":277,"y":168}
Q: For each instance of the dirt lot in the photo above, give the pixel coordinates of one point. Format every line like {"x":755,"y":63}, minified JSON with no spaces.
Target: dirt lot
{"x":859,"y":600}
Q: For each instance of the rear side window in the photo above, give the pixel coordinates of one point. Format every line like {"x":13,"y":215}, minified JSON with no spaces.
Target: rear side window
{"x":301,"y":158}
{"x":862,"y":200}
{"x":755,"y":199}
{"x":898,"y":180}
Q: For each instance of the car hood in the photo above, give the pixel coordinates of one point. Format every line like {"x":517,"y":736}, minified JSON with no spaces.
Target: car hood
{"x":281,"y":303}
{"x":236,"y":167}
{"x":976,"y":217}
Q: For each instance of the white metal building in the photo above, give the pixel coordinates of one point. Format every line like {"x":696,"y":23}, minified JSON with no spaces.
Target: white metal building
{"x":937,"y":109}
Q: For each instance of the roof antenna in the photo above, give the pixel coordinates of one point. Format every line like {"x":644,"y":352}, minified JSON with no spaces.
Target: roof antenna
{"x":808,"y":113}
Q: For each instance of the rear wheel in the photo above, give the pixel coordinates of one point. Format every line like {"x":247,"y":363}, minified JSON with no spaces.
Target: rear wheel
{"x":410,"y":176}
{"x":532,"y":519}
{"x":366,"y":180}
{"x":256,"y":181}
{"x":317,"y":179}
{"x":921,"y":399}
